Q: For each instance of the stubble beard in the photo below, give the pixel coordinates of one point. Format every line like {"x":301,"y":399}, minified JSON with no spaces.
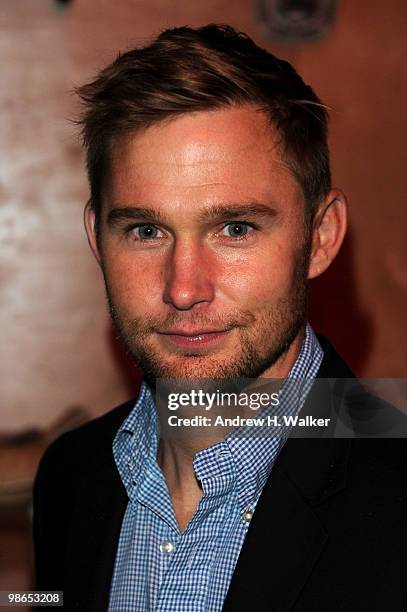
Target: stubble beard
{"x":262,"y":340}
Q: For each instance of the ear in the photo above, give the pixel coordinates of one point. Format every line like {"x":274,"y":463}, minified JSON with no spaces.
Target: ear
{"x":328,"y":232}
{"x":89,"y":218}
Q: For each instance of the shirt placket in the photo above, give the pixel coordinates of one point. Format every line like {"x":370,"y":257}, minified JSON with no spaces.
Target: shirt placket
{"x":186,"y":586}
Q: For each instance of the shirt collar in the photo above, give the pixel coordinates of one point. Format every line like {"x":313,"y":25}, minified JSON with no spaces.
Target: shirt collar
{"x":240,"y":461}
{"x":136,"y":442}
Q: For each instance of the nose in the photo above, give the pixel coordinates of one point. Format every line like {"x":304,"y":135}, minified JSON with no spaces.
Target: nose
{"x":189,"y":279}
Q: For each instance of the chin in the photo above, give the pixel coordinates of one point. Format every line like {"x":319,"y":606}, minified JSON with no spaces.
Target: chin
{"x":190,"y":367}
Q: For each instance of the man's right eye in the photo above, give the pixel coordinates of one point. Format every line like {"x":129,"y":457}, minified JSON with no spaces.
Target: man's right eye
{"x":145,"y":231}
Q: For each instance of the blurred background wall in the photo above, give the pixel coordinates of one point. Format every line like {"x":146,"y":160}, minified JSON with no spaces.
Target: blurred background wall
{"x":57,"y":346}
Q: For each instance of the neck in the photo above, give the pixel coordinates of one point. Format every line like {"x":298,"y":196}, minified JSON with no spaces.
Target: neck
{"x":175,"y":461}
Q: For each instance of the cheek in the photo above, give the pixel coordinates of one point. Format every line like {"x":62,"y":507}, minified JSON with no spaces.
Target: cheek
{"x":134,"y":286}
{"x":257,"y":278}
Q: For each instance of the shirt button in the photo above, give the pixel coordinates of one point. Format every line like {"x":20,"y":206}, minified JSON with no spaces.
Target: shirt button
{"x":166,"y":546}
{"x":247,"y":516}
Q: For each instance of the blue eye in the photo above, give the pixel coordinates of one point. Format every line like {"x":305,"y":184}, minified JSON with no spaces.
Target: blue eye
{"x":238,"y":229}
{"x":146,"y":232}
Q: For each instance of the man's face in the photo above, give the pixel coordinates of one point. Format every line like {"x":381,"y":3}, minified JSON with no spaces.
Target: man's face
{"x":203,"y":247}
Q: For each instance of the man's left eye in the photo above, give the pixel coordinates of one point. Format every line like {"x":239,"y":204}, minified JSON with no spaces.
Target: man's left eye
{"x":238,"y":229}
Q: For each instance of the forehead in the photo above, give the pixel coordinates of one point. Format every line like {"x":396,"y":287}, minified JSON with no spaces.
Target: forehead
{"x":225,"y":153}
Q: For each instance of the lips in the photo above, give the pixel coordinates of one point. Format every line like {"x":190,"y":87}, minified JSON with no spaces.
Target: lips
{"x":187,"y":339}
{"x":192,"y":333}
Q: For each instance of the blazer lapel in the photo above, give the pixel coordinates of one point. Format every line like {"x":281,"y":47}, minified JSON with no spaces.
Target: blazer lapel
{"x":285,"y":537}
{"x":95,"y":536}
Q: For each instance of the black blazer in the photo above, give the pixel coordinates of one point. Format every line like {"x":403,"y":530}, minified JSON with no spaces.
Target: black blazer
{"x":329,"y":532}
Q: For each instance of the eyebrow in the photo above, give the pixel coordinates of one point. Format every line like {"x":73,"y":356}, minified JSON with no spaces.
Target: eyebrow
{"x":229,"y":212}
{"x":217,"y":212}
{"x":130,"y":213}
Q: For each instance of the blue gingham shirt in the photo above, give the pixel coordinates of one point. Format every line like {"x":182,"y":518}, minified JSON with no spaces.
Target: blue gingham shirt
{"x":159,"y":569}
